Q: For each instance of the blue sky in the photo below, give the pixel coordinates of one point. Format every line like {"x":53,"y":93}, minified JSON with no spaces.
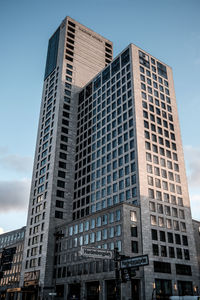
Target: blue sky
{"x":169,"y":30}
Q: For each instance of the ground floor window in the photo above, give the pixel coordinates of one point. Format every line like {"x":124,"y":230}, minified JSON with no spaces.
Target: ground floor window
{"x":163,"y":288}
{"x":185,"y":288}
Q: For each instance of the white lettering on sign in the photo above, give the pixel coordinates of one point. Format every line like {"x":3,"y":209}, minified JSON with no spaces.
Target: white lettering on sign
{"x":138,"y":261}
{"x":96,"y":253}
{"x":88,"y":33}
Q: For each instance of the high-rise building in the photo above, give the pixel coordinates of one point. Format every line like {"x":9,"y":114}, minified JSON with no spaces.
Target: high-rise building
{"x":75,"y":55}
{"x":109,"y":172}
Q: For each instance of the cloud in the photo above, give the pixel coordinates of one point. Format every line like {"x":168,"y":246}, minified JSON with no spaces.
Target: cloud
{"x":195,"y":206}
{"x":1,"y":230}
{"x":14,"y":195}
{"x":192,"y":158}
{"x":20,"y":164}
{"x":3,"y":150}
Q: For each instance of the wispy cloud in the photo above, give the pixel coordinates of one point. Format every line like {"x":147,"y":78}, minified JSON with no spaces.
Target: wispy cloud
{"x":192,"y":158}
{"x":3,"y":150}
{"x":14,"y":195}
{"x":17,"y":163}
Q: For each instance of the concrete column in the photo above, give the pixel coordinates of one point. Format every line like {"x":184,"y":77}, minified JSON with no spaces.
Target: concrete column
{"x":102,"y":291}
{"x":83,"y":290}
{"x":7,"y":296}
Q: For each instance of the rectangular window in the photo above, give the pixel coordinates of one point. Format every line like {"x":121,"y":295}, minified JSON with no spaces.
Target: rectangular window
{"x":58,"y":214}
{"x":133,"y":216}
{"x":162,"y":267}
{"x":171,"y":252}
{"x":155,"y":249}
{"x":134,"y":246}
{"x":134,"y":231}
{"x":183,"y":269}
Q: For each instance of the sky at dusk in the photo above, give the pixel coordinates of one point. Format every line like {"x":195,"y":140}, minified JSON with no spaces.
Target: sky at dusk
{"x":169,"y":30}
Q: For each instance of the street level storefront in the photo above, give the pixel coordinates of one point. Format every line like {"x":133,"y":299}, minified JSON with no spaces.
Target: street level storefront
{"x":30,"y":290}
{"x":98,"y":290}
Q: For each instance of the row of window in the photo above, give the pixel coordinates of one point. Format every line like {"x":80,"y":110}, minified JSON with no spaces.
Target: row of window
{"x":168,"y":223}
{"x":85,"y":99}
{"x":86,"y":239}
{"x":169,"y":237}
{"x":164,"y":267}
{"x":10,"y":239}
{"x":84,"y":269}
{"x":94,"y":223}
{"x":158,"y":195}
{"x":156,"y":66}
{"x":167,"y":210}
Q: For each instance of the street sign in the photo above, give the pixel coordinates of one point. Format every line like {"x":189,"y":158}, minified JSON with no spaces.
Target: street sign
{"x":96,"y":252}
{"x":138,"y":261}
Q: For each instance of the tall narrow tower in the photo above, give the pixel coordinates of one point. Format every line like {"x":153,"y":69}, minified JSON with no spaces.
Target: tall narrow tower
{"x":75,"y":55}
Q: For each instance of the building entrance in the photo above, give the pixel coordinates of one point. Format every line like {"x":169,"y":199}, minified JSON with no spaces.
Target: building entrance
{"x":74,"y":291}
{"x":135,"y":289}
{"x":110,"y":290}
{"x":92,"y":290}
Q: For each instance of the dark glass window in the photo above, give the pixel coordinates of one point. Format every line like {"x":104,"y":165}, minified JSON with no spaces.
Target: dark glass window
{"x":170,"y":237}
{"x":115,"y":66}
{"x":178,"y":239}
{"x":59,"y":204}
{"x":134,"y":246}
{"x":58,"y":214}
{"x":162,"y":236}
{"x":186,"y":254}
{"x":52,"y":53}
{"x":185,"y":240}
{"x":106,"y":75}
{"x":171,"y":252}
{"x":134,"y":231}
{"x":60,"y":194}
{"x":88,"y":90}
{"x":162,"y":267}
{"x":183,"y":269}
{"x":125,"y":57}
{"x":97,"y":82}
{"x":163,"y":251}
{"x":162,"y":70}
{"x":154,"y":234}
{"x":163,"y":288}
{"x":144,"y":59}
{"x":155,"y":249}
